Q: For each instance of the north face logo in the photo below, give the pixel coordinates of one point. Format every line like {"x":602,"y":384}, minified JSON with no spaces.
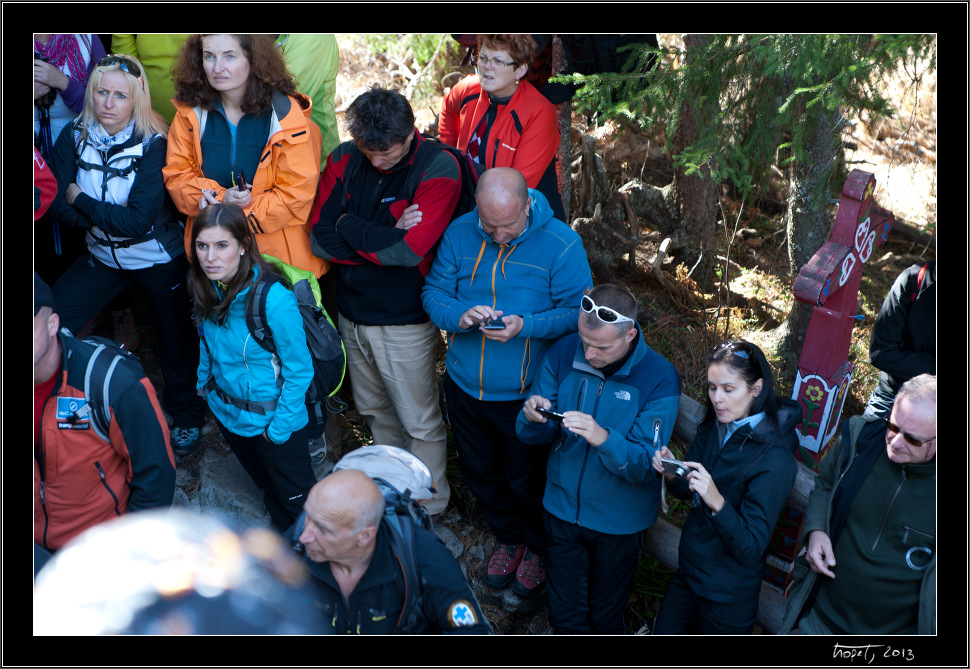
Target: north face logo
{"x":622,"y":395}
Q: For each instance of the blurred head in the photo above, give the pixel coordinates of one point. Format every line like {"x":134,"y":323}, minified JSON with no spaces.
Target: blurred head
{"x":343,"y":513}
{"x":381,"y":123}
{"x":911,"y":426}
{"x":739,"y":382}
{"x":118,"y":93}
{"x":502,"y":61}
{"x":210,"y":66}
{"x":175,"y":572}
{"x":607,"y":324}
{"x":503,"y":202}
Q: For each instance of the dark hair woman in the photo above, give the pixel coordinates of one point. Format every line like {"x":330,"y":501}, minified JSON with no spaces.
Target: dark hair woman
{"x":108,"y":164}
{"x":501,"y":120}
{"x":741,"y":471}
{"x":257,"y":397}
{"x":242,"y":135}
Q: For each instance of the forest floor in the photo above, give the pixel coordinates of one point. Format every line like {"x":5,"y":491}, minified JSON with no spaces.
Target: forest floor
{"x":684,"y":331}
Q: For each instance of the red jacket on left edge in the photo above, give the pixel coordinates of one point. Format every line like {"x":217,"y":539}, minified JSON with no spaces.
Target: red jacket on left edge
{"x":81,"y":480}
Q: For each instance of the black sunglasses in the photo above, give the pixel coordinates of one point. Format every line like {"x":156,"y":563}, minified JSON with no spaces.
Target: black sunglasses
{"x":908,"y":438}
{"x":124,"y":64}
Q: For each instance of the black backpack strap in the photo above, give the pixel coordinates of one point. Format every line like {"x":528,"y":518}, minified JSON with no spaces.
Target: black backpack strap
{"x":354,"y":162}
{"x":403,"y":546}
{"x":256,"y":311}
{"x":427,"y":151}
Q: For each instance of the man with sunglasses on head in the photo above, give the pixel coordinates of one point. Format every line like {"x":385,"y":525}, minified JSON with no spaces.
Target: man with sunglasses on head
{"x":870,"y":526}
{"x":618,"y":399}
{"x":505,"y":286}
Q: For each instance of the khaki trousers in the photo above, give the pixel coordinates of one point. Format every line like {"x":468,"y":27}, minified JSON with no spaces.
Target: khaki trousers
{"x":395,"y":388}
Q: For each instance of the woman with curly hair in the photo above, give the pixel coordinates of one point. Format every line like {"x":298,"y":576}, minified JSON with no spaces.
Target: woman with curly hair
{"x":242,"y":135}
{"x":501,"y":120}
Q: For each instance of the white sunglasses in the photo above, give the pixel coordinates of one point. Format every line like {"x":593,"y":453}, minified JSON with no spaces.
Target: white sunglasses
{"x":605,"y":314}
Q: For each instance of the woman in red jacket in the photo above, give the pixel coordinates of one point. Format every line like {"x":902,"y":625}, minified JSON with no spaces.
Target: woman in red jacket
{"x":501,"y":120}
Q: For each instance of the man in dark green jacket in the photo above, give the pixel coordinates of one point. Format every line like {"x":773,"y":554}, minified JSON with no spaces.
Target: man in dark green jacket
{"x":871,"y":526}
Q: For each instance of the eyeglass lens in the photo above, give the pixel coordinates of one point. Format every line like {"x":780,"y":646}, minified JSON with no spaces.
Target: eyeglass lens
{"x":908,"y":438}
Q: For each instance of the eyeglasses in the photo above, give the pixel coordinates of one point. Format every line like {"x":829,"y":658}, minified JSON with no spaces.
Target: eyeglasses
{"x":483,"y":61}
{"x":605,"y":314}
{"x":735,"y":349}
{"x":125,"y":64}
{"x":908,"y":438}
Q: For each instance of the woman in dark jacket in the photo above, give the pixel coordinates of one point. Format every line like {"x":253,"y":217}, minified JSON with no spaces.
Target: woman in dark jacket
{"x":108,"y":165}
{"x":741,"y":471}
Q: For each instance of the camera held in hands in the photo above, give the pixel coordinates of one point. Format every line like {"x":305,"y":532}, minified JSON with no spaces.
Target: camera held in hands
{"x":675,"y":467}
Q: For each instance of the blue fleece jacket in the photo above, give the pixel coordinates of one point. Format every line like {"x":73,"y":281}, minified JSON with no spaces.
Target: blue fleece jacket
{"x":610,"y":488}
{"x":244,"y":369}
{"x":541,"y":276}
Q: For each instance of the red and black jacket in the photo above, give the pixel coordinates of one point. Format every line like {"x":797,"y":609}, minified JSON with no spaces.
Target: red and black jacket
{"x":381,"y":268}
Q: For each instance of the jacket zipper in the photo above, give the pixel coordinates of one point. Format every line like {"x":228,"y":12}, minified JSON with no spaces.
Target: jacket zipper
{"x":888,"y":509}
{"x":104,"y":482}
{"x":582,"y":470}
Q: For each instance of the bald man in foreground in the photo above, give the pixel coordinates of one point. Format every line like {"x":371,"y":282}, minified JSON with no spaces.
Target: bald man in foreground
{"x":361,"y":581}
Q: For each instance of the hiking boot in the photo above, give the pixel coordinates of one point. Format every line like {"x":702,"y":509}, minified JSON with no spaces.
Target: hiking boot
{"x":91,"y":326}
{"x":123,"y":324}
{"x":530,"y":577}
{"x":184,"y":439}
{"x":503,"y":564}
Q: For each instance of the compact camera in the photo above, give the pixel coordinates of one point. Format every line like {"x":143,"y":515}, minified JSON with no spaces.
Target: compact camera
{"x":675,"y":467}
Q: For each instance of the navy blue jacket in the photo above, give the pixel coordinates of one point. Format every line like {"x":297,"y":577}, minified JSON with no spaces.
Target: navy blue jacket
{"x":610,"y":488}
{"x":375,"y":605}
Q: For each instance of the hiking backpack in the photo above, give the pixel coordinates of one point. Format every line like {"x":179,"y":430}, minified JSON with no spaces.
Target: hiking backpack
{"x":104,"y":361}
{"x":326,"y":348}
{"x":404,"y":480}
{"x":430,"y":147}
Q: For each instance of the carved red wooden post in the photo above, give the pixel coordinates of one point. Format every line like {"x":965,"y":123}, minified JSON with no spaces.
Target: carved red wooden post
{"x":830,"y":281}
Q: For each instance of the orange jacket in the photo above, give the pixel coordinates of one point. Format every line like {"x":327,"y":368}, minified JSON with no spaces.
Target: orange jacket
{"x":80,"y":480}
{"x":524,"y":135}
{"x":283,"y":186}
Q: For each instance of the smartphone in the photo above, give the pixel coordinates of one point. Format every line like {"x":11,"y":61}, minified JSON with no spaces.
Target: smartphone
{"x":242,"y":182}
{"x":494,"y":325}
{"x":675,"y":467}
{"x":551,"y":415}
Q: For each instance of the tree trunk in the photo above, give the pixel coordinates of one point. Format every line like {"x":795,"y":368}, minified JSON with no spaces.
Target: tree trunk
{"x":684,"y":209}
{"x":695,"y":194}
{"x":564,"y":114}
{"x":808,"y":225}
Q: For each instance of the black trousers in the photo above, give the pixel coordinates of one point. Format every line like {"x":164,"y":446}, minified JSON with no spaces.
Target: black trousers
{"x":88,"y":285}
{"x":682,"y":611}
{"x":589,"y":575}
{"x":507,"y":476}
{"x":283,"y":472}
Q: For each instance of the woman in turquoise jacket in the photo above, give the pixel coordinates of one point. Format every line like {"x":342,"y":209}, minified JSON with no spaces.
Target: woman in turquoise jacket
{"x":257,"y":397}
